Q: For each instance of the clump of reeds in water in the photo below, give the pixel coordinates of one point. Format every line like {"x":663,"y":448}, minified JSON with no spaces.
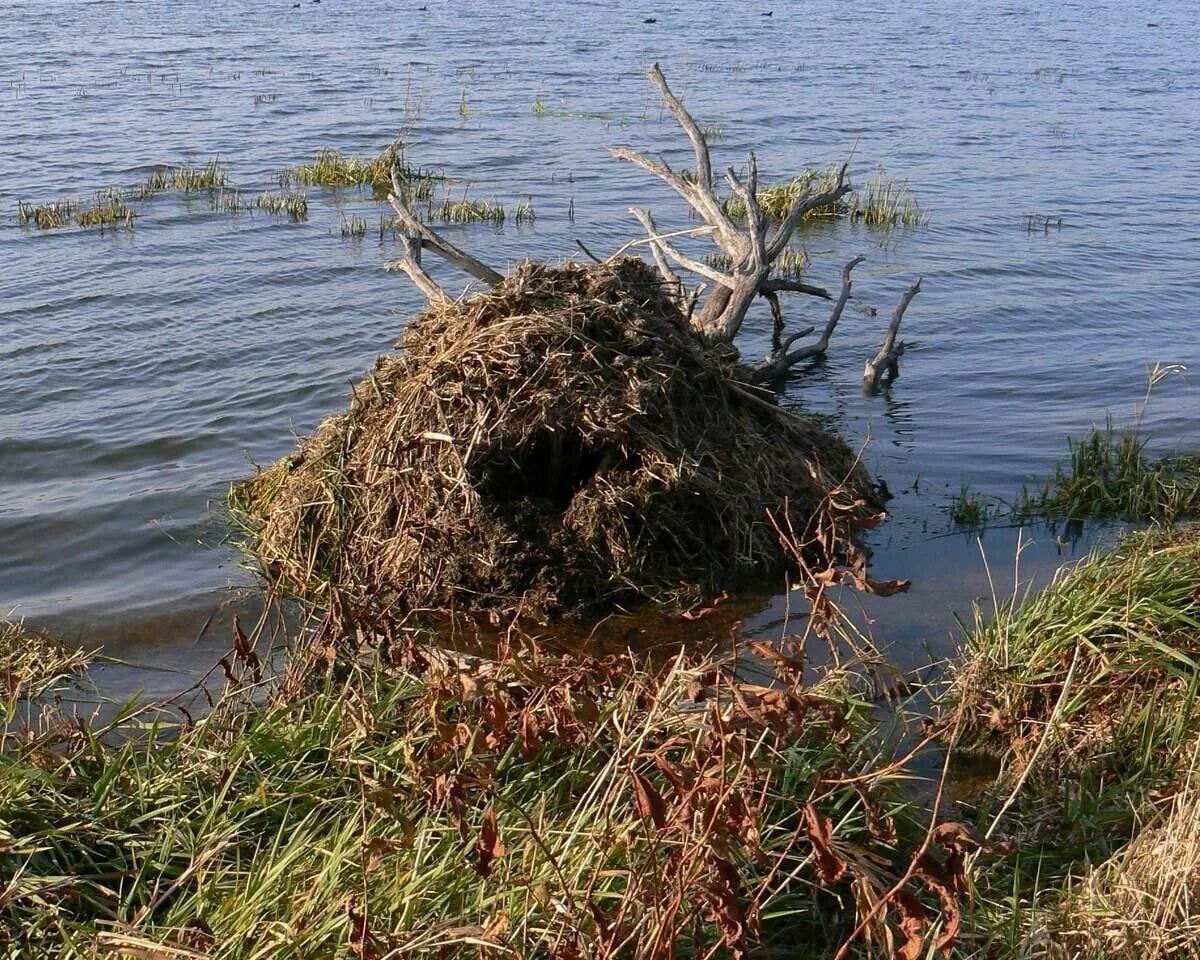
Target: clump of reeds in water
{"x":354,"y":227}
{"x":884,"y":204}
{"x":293,"y":205}
{"x":791,"y":263}
{"x":332,"y":168}
{"x":108,"y":212}
{"x":776,"y":199}
{"x":47,"y":216}
{"x":467,"y":210}
{"x":213,"y":175}
{"x":1109,"y":475}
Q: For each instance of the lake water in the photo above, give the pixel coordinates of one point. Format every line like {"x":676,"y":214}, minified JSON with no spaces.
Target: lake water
{"x":141,"y":372}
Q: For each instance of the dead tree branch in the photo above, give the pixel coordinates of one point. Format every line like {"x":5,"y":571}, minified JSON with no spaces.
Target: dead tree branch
{"x":886,"y":363}
{"x":410,"y":264}
{"x":781,"y":360}
{"x":417,"y":233}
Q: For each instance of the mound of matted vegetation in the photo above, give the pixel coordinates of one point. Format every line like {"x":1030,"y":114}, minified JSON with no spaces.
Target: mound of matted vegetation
{"x":561,"y":442}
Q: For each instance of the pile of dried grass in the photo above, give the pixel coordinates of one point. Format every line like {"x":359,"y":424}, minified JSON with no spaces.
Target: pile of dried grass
{"x":560,"y":442}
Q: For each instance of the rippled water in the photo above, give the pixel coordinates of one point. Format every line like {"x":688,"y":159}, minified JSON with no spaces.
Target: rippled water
{"x":141,"y":372}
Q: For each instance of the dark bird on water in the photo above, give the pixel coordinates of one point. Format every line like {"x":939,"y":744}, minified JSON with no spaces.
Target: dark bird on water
{"x":650,"y":20}
{"x":769,"y":13}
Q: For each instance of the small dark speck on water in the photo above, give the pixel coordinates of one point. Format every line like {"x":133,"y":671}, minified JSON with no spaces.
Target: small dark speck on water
{"x":650,"y":20}
{"x":769,"y":13}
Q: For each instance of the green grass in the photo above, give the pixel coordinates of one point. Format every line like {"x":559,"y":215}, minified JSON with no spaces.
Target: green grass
{"x":884,"y":204}
{"x":1086,"y":696}
{"x":48,"y":216}
{"x":524,"y":807}
{"x":776,"y":199}
{"x":332,"y":168}
{"x":213,"y":175}
{"x":1108,"y":475}
{"x":107,"y":212}
{"x":881,"y":204}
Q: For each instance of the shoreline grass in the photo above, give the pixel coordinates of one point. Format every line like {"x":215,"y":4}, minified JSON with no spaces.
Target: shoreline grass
{"x":1086,"y":695}
{"x":33,"y":664}
{"x":413,"y":804}
{"x":1108,"y":474}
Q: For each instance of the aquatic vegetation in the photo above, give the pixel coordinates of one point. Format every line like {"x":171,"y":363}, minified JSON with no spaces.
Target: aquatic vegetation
{"x":882,"y":203}
{"x":791,"y":262}
{"x":416,"y":803}
{"x":106,"y":213}
{"x":292,"y":204}
{"x":466,"y":210}
{"x":776,"y":199}
{"x":584,"y":450}
{"x":354,"y":227}
{"x":525,"y":214}
{"x":295,"y":205}
{"x":213,"y":175}
{"x":332,"y":168}
{"x":972,"y":510}
{"x":48,"y":216}
{"x":1109,"y":475}
{"x":1086,"y":694}
{"x":32,"y":664}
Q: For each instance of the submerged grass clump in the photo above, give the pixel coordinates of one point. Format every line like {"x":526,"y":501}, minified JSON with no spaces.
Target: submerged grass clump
{"x":332,"y":168}
{"x":971,"y":509}
{"x":560,"y":442}
{"x":424,"y":805}
{"x":882,"y":204}
{"x":48,"y":216}
{"x":466,"y":210}
{"x":1109,"y":475}
{"x":32,"y":663}
{"x":776,"y":199}
{"x":354,"y":227}
{"x":108,"y":212}
{"x":213,"y":175}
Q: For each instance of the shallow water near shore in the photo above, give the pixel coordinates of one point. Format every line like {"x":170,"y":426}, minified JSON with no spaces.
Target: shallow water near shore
{"x":142,"y":371}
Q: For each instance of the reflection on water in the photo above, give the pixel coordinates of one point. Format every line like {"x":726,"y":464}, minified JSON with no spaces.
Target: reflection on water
{"x":142,"y":371}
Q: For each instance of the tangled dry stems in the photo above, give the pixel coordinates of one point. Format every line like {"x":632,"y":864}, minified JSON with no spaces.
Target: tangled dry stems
{"x":561,"y":442}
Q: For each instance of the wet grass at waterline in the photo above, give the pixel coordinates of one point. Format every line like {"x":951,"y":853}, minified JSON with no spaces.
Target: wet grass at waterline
{"x":1086,"y":695}
{"x":292,"y":205}
{"x":415,"y":804}
{"x":32,"y":663}
{"x":1109,"y":474}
